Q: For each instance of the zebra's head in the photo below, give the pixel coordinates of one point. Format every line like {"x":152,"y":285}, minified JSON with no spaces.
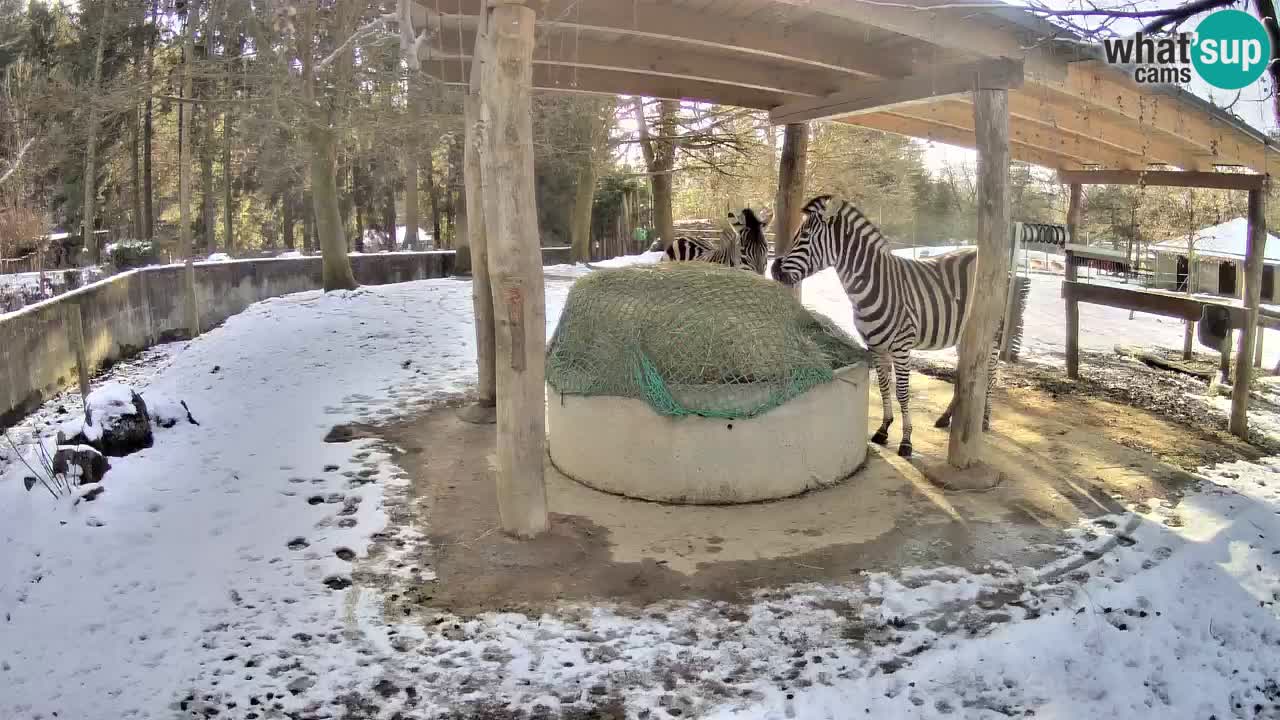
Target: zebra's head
{"x":809,"y":252}
{"x":750,"y":228}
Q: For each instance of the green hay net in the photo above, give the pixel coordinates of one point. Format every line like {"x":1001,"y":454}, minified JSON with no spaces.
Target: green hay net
{"x":693,"y":339}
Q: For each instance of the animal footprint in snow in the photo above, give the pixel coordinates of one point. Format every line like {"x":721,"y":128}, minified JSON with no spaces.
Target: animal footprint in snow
{"x":345,"y":553}
{"x":298,"y":543}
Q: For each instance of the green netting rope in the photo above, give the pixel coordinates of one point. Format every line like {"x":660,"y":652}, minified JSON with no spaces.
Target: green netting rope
{"x":693,"y":339}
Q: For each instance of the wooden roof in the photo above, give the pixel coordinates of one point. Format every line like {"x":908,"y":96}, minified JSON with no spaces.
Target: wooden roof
{"x":873,"y":63}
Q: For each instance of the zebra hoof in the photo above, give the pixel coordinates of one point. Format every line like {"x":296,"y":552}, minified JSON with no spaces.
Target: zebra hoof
{"x":943,"y":422}
{"x":904,"y":450}
{"x":880,"y":438}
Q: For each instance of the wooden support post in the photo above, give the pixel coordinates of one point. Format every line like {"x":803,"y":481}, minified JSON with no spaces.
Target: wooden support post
{"x":515,"y":267}
{"x":987,"y":300}
{"x":791,"y":183}
{"x":1239,"y":424}
{"x":1075,"y":209}
{"x":75,"y":334}
{"x":1257,"y":347}
{"x":475,"y":190}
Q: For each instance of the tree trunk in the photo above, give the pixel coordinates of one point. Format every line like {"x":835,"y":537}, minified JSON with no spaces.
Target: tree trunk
{"x":991,"y":120}
{"x":580,"y":226}
{"x":287,"y":205}
{"x":184,"y":170}
{"x":515,"y":264}
{"x":90,"y":197}
{"x":135,"y":173}
{"x":433,"y":195}
{"x":1075,"y":211}
{"x":208,"y":193}
{"x":228,"y":199}
{"x":148,"y":192}
{"x":324,"y":193}
{"x":308,"y":221}
{"x":411,"y":221}
{"x":659,"y":158}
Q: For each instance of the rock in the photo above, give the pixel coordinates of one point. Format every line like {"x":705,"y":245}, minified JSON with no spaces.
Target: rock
{"x":89,"y":492}
{"x":82,"y":462}
{"x":116,"y":422}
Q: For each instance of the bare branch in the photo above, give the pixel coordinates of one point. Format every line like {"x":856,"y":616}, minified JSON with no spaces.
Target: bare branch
{"x":17,"y":160}
{"x":373,"y":27}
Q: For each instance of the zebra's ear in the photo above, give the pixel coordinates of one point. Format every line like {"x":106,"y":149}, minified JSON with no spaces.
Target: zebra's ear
{"x":817,"y":205}
{"x":765,"y":216}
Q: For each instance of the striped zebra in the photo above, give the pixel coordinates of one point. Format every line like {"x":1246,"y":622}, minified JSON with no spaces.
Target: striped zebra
{"x":742,"y":244}
{"x":899,"y":304}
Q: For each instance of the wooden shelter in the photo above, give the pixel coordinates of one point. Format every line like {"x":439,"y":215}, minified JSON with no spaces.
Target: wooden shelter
{"x":996,"y":79}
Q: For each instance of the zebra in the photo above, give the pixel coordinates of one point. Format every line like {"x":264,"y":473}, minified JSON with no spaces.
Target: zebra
{"x":744,"y":230}
{"x":685,"y":249}
{"x":899,"y":304}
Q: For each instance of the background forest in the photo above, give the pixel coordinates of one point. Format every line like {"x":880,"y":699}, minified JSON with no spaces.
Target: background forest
{"x":234,"y":124}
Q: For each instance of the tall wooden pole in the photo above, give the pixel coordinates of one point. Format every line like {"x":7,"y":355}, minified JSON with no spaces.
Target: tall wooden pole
{"x":1075,"y":209}
{"x":515,"y":267}
{"x":1239,"y":424}
{"x":987,"y":300}
{"x":792,"y":170}
{"x":476,"y":186}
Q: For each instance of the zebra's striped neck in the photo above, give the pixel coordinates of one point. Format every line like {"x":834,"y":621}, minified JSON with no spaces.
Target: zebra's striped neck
{"x":860,"y":247}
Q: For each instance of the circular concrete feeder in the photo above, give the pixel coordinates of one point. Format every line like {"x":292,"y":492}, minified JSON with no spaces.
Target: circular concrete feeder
{"x":620,"y":445}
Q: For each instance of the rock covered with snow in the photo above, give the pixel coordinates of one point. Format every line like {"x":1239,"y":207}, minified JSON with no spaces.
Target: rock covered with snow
{"x":82,"y":463}
{"x":165,"y":411}
{"x":115,"y":422}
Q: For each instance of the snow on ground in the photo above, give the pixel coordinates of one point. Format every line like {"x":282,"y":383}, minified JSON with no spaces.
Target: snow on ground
{"x":214,"y":569}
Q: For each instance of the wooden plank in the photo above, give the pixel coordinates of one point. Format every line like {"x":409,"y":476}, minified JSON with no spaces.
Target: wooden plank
{"x":615,"y":82}
{"x":1239,"y":424}
{"x":1054,"y":140}
{"x":1180,"y":307}
{"x":1058,"y":111}
{"x":913,"y":127}
{"x":565,"y":53}
{"x":1213,"y":138}
{"x":952,"y":28}
{"x":515,"y":265}
{"x":1000,"y":73}
{"x":800,"y":44}
{"x":1165,"y":178}
{"x":991,"y":117}
{"x":1075,"y":214}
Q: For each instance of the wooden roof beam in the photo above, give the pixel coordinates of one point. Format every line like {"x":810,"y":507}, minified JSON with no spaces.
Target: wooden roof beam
{"x":920,"y":129}
{"x":954,"y":29}
{"x":667,"y":22}
{"x":1213,"y":141}
{"x":959,"y":115}
{"x":613,"y":82}
{"x":682,"y":63}
{"x":1036,"y":105}
{"x":1165,"y":178}
{"x":877,"y":95}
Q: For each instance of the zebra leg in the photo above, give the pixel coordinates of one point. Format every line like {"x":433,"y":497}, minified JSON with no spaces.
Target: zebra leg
{"x":902,"y":371}
{"x":884,"y":376}
{"x":944,"y":420}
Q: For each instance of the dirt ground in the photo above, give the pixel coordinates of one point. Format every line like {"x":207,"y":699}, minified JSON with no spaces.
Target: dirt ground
{"x":1063,"y":457}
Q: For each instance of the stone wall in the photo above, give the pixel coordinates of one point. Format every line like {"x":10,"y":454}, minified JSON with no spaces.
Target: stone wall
{"x":134,"y":310}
